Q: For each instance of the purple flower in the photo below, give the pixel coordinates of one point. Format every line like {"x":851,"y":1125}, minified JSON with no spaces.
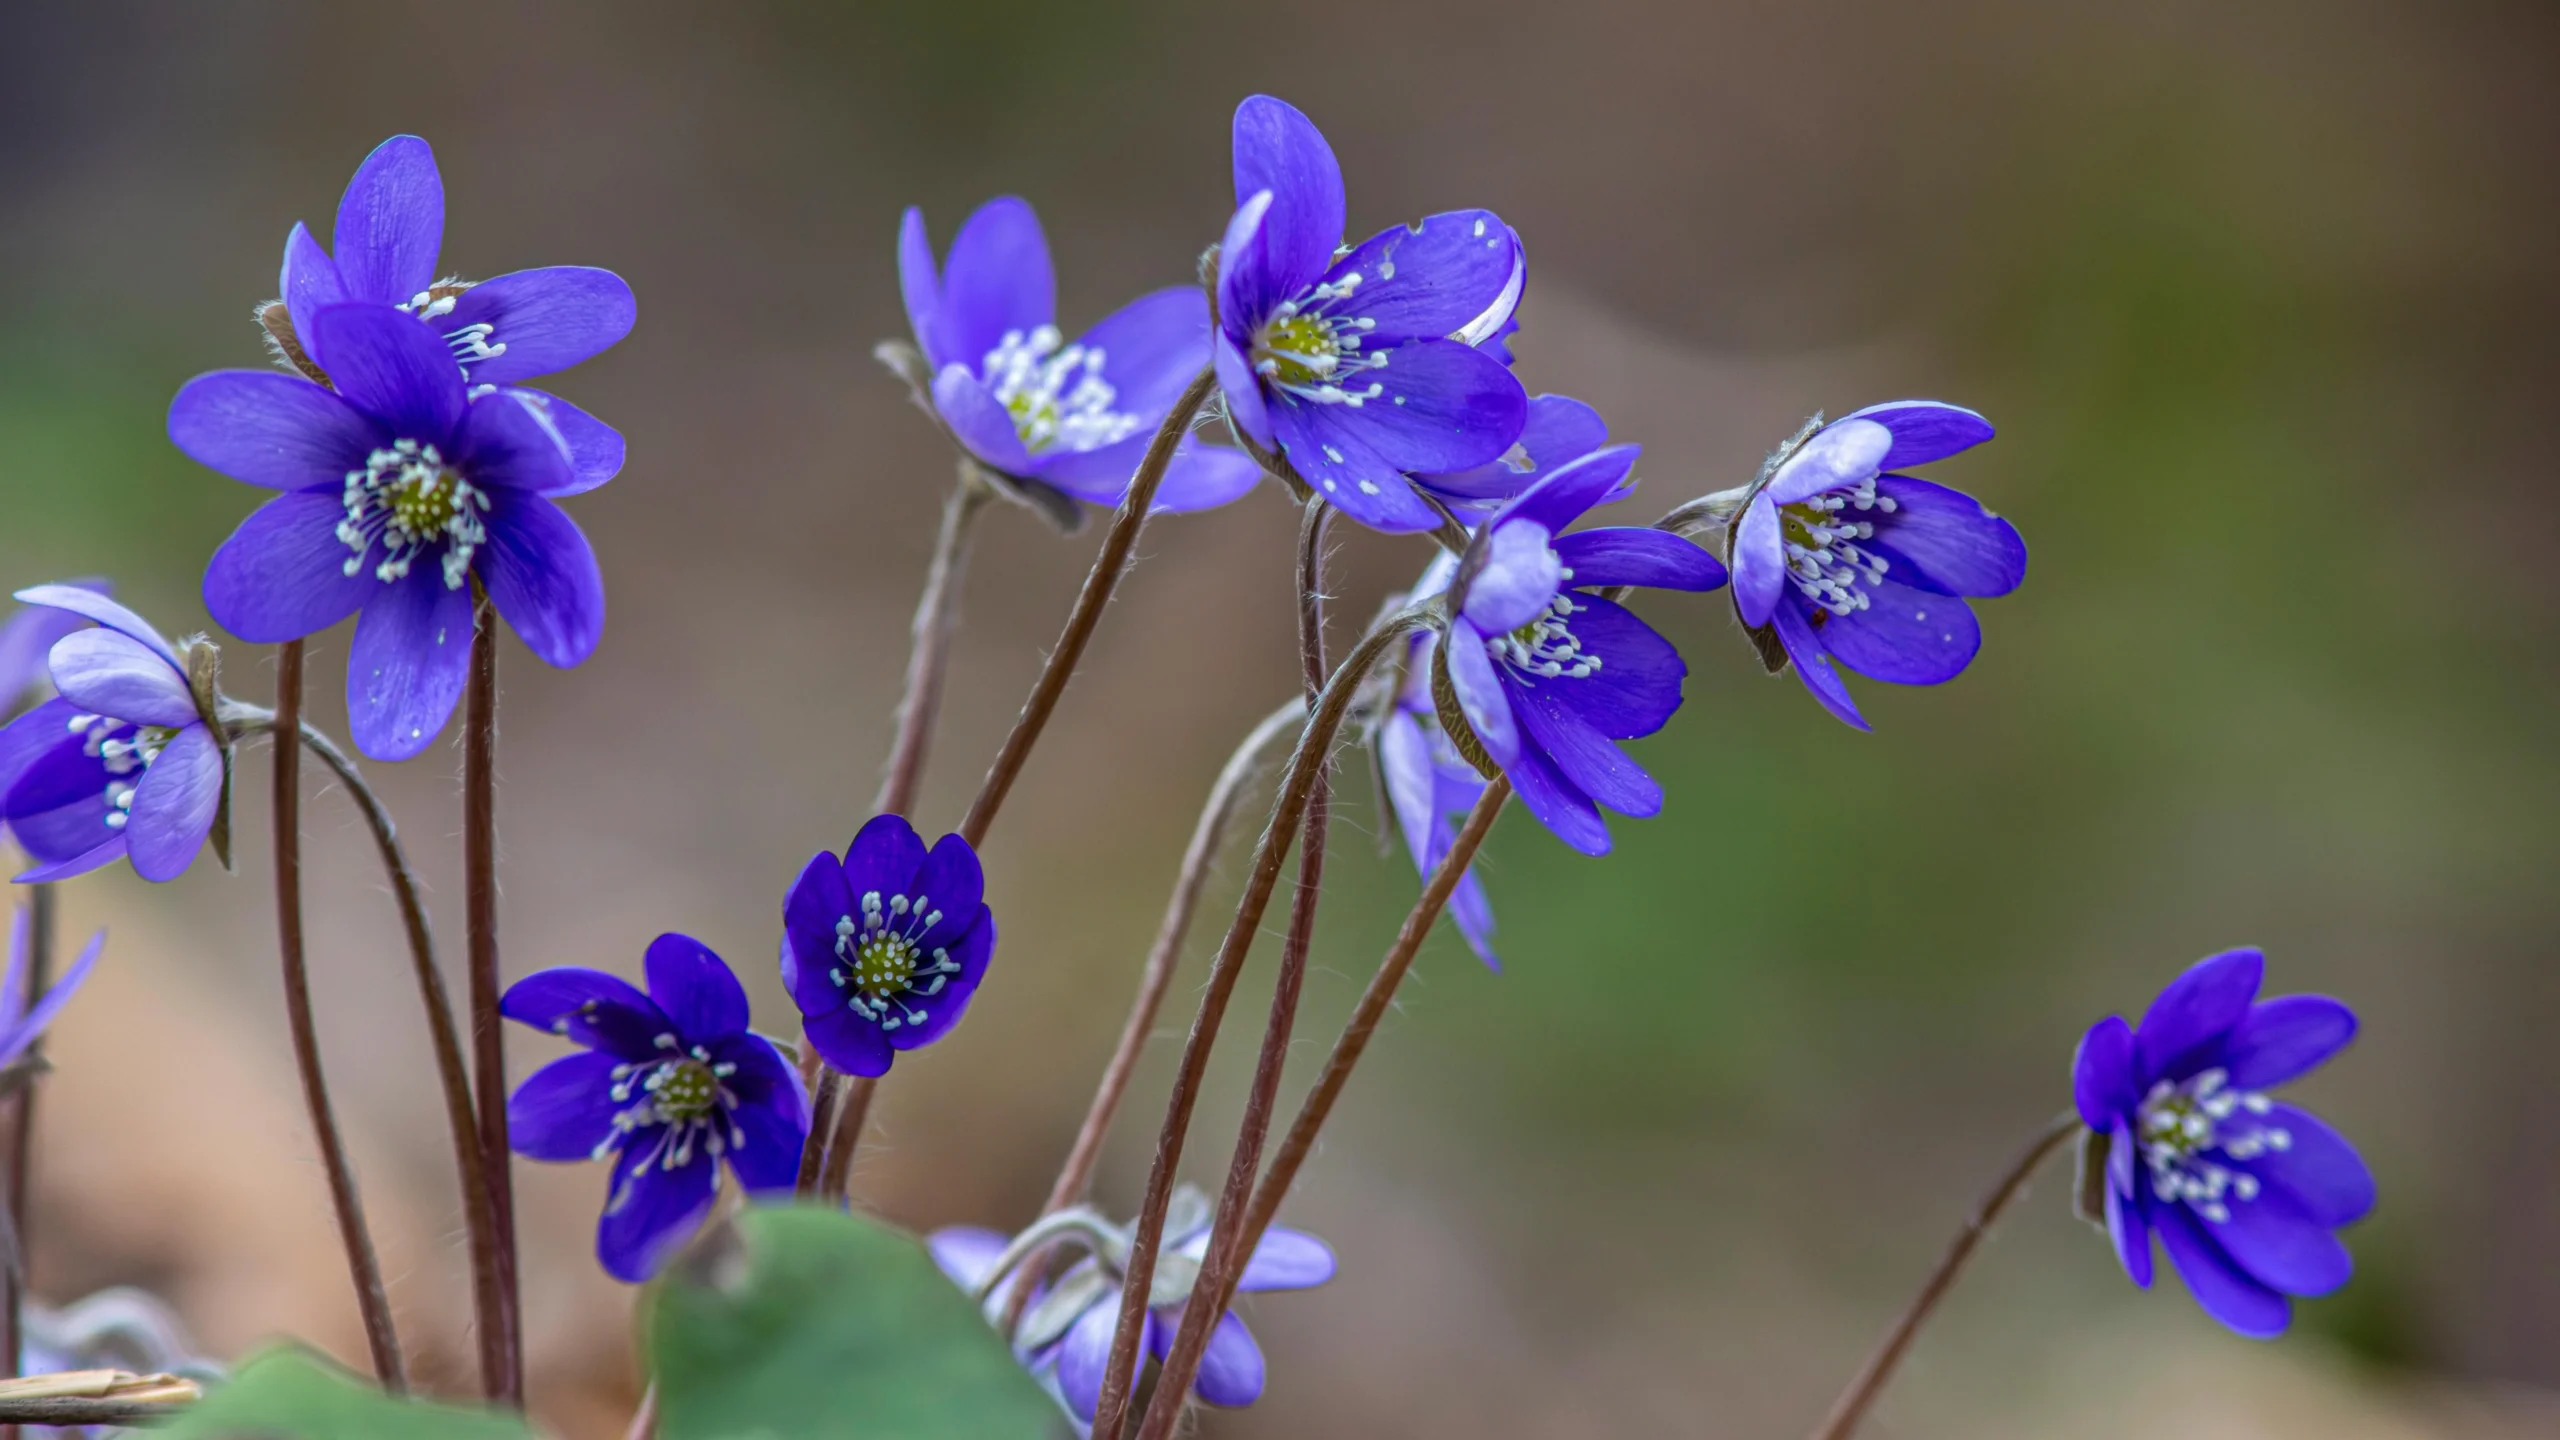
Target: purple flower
{"x":399,"y":488}
{"x":670,"y":1084}
{"x":1075,"y":418}
{"x":1547,"y":673}
{"x":1429,"y":784}
{"x":26,"y":638}
{"x":22,"y":1024}
{"x":2244,"y":1190}
{"x":1364,"y":368}
{"x":121,"y":762}
{"x":1864,"y":567}
{"x":883,"y":948}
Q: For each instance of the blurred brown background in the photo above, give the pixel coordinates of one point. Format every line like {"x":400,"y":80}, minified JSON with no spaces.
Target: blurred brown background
{"x":2261,"y":296}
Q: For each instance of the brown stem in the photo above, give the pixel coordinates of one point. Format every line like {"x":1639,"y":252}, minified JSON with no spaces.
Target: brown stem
{"x":1854,"y":1402}
{"x":851,"y":1112}
{"x":22,"y":1136}
{"x":1173,"y":1383}
{"x":823,"y":1098}
{"x":488,"y":1041}
{"x":929,"y":651}
{"x":362,"y":1267}
{"x":446,"y":1041}
{"x":1314,"y":752}
{"x":1081,"y":621}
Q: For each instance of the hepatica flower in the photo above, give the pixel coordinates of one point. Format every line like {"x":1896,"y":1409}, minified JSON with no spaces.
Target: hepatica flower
{"x":1429,"y":784}
{"x":671,"y":1085}
{"x":1360,"y":368}
{"x":1851,"y":563}
{"x":883,"y":948}
{"x":121,"y":763}
{"x":1549,"y":675}
{"x":2242,"y":1189}
{"x":1037,"y":410}
{"x":1558,"y":431}
{"x":26,"y":640}
{"x":398,"y":490}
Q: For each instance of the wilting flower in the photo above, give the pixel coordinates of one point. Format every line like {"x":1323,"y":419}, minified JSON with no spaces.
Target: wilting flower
{"x":2243,"y":1189}
{"x":121,"y":762}
{"x":1853,"y":564}
{"x":671,"y":1084}
{"x":1549,"y":675}
{"x":1362,"y":369}
{"x":23,"y":1024}
{"x":1036,"y":410}
{"x":26,"y":638}
{"x":1065,"y":1338}
{"x":1429,"y":784}
{"x":883,"y":948}
{"x":399,"y":489}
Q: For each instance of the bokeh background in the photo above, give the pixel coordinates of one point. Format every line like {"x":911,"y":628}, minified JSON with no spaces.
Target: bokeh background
{"x":2262,"y":297}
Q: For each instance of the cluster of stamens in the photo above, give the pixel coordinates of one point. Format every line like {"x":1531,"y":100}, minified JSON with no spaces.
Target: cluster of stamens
{"x":124,"y":757}
{"x":470,"y":344}
{"x":684,"y":1094}
{"x":884,"y":967}
{"x":1823,"y":554}
{"x":2180,"y":1125}
{"x":408,"y":499}
{"x":1308,"y":350}
{"x":1547,"y":646}
{"x":1055,"y":393}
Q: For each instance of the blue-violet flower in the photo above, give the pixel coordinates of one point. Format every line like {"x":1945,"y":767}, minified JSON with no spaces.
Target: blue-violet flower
{"x":1428,"y":783}
{"x":26,"y":639}
{"x":883,"y":948}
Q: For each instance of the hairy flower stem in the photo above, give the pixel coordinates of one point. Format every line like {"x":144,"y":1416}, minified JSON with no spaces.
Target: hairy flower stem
{"x":1208,"y":836}
{"x":1314,"y":752}
{"x":1854,"y":1402}
{"x":1224,"y":1257}
{"x":929,"y":648}
{"x":1108,"y":566}
{"x":22,"y":1136}
{"x":851,"y":1112}
{"x":488,"y":1042}
{"x":366,"y":1271}
{"x":826,"y":1087}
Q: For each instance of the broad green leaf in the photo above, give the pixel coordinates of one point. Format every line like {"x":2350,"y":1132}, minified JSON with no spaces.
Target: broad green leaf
{"x":807,"y":1323}
{"x":287,"y":1393}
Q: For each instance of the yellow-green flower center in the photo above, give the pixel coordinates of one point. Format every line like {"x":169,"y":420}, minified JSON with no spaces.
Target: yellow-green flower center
{"x":687,"y":1090}
{"x":1299,"y":349}
{"x":884,"y":965}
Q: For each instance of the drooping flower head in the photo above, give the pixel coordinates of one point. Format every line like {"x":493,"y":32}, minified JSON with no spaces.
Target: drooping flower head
{"x":1547,"y":673}
{"x":2243,"y":1189}
{"x":1065,"y":1338}
{"x":670,"y":1085}
{"x":122,"y":762}
{"x":22,"y":1024}
{"x":1037,"y":411}
{"x":1429,"y":785}
{"x":399,"y":488}
{"x":883,"y":948}
{"x":26,"y":640}
{"x":1362,"y":369}
{"x":1852,"y":563}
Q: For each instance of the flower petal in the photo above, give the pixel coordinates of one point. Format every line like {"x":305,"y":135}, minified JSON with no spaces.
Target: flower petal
{"x":596,"y":1009}
{"x":1924,"y":430}
{"x":817,"y":900}
{"x":392,"y":368}
{"x":44,"y":763}
{"x":390,"y":223}
{"x":1480,"y":692}
{"x":509,"y":440}
{"x":1595,"y":765}
{"x":1559,"y":430}
{"x":1243,"y":393}
{"x":1843,"y":452}
{"x":2281,"y":1247}
{"x":980,"y":421}
{"x":105,"y":853}
{"x":2318,"y":1168}
{"x":2183,"y":1030}
{"x":2130,"y":1231}
{"x":1516,"y":572}
{"x":2227,"y":1293}
{"x":920,"y":285}
{"x":1151,"y":348}
{"x":885,"y":855}
{"x":1443,"y":406}
{"x":997,"y":280}
{"x":405,"y":670}
{"x":542,"y":320}
{"x":283,"y":574}
{"x":847,"y":1041}
{"x":262,"y":427}
{"x":1564,"y":494}
{"x":1085,"y":1355}
{"x":767,"y":1144}
{"x":1230,"y":1365}
{"x":543,"y":577}
{"x":175,"y":805}
{"x":1279,"y":149}
{"x":653,"y":1209}
{"x":109,"y":673}
{"x":1635,"y":555}
{"x":966,"y":1252}
{"x":595,"y":448}
{"x":27,"y":637}
{"x":1362,"y":483}
{"x":1428,"y":280}
{"x":309,"y":279}
{"x":1559,"y":805}
{"x":695,"y":988}
{"x":1637,"y":687}
{"x":1404,"y":767}
{"x":1286,"y":1260}
{"x":1759,"y":563}
{"x":951,"y":882}
{"x":564,"y":1110}
{"x":1943,"y":540}
{"x":88,"y":599}
{"x":1902,"y":635}
{"x":1204,"y":477}
{"x":2102,"y":1074}
{"x":39,"y":1017}
{"x":1813,"y":663}
{"x":930,"y":1017}
{"x":2286,"y":1037}
{"x":1250,"y":286}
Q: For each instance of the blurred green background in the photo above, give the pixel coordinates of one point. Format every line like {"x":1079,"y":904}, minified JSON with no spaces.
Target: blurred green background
{"x":2260,"y":296}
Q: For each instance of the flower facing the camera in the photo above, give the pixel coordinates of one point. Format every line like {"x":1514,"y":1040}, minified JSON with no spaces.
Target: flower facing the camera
{"x":883,"y":948}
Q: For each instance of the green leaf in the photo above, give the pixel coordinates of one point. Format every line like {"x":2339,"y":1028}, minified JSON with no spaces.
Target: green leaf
{"x":809,"y":1322}
{"x":288,"y":1393}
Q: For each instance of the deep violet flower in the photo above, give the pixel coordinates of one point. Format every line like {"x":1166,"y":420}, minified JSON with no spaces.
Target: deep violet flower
{"x":26,"y":639}
{"x":1548,"y":674}
{"x":399,"y":489}
{"x":1362,"y":369}
{"x":1851,"y":563}
{"x":22,"y":1024}
{"x":670,"y":1084}
{"x":1428,"y":783}
{"x":1075,"y":418}
{"x":883,"y":948}
{"x":2242,"y":1189}
{"x":121,"y":761}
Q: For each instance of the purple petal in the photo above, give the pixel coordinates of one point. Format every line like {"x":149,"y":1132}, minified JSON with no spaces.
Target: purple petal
{"x":390,"y":223}
{"x":981,"y":421}
{"x":1905,"y":636}
{"x":392,"y":368}
{"x":652,"y":1210}
{"x":510,"y":440}
{"x":1637,"y":688}
{"x":595,"y":448}
{"x":1085,"y":1355}
{"x":2227,"y":1293}
{"x":28,"y":636}
{"x":1595,"y":765}
{"x":2193,"y":1015}
{"x":1558,"y":804}
{"x":1759,"y":563}
{"x":1943,"y":540}
{"x":942,"y":1011}
{"x":542,"y":320}
{"x":593,"y":1008}
{"x":89,"y":601}
{"x":1480,"y":693}
{"x":412,"y":648}
{"x":1472,"y":913}
{"x":36,"y":738}
{"x":762,"y":1075}
{"x":542,"y":576}
{"x":2130,"y":1232}
{"x":282,"y":575}
{"x":847,"y":1041}
{"x":1430,"y":280}
{"x":920,"y":285}
{"x":997,"y":280}
{"x":1516,"y":573}
{"x":1813,"y":664}
{"x":1230,"y":1366}
{"x":1631,"y":555}
{"x":2286,"y":1037}
{"x":1443,"y":407}
{"x":1841,"y":453}
{"x":39,"y":1018}
{"x":1242,"y":392}
{"x":309,"y":279}
{"x":1151,"y":349}
{"x":106,"y":852}
{"x":768,"y":1140}
{"x":2102,"y":1074}
{"x":1204,"y":477}
{"x":1363,"y":483}
{"x":1924,"y":430}
{"x":966,"y":1252}
{"x":2318,"y":1168}
{"x":1563,"y":495}
{"x":1280,"y":150}
{"x":1404,"y":765}
{"x":266,"y":428}
{"x":2281,"y":1247}
{"x":109,"y":673}
{"x":175,"y":805}
{"x":1558,"y":431}
{"x":1286,"y":1260}
{"x":48,"y":766}
{"x":564,"y":1110}
{"x":885,"y":855}
{"x":951,"y":882}
{"x":817,"y":900}
{"x":695,"y":988}
{"x":1250,"y":286}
